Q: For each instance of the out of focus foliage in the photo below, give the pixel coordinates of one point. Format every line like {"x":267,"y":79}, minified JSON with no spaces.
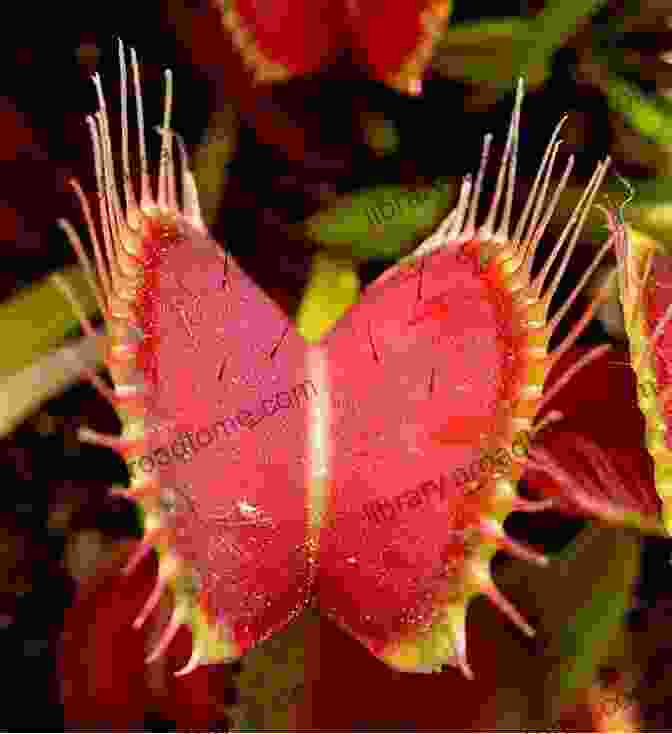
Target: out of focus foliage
{"x":316,"y":184}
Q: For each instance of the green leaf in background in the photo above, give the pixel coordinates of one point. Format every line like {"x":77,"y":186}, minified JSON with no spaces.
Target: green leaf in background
{"x":472,"y":35}
{"x":36,"y":319}
{"x":594,"y":576}
{"x":577,"y":605}
{"x":555,"y":24}
{"x":651,"y":191}
{"x":654,"y":223}
{"x":271,"y":684}
{"x":496,"y":52}
{"x":380,"y":133}
{"x":47,"y":376}
{"x":648,"y":215}
{"x":650,"y":115}
{"x":381,"y":222}
{"x":212,"y":157}
{"x":333,"y":287}
{"x":490,"y":53}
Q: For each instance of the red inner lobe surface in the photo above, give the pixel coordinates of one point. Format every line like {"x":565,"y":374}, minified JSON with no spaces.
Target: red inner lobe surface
{"x":299,"y":35}
{"x":658,"y":295}
{"x":388,"y":35}
{"x":228,"y":399}
{"x":415,"y":362}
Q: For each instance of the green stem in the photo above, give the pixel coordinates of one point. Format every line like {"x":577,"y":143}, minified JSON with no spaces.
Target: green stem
{"x":557,"y":22}
{"x":38,"y":318}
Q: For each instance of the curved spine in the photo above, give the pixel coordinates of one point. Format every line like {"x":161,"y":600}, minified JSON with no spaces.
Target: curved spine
{"x":636,"y":254}
{"x":117,"y":283}
{"x":505,"y":252}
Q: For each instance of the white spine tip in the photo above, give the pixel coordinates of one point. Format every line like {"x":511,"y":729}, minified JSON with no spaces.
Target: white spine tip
{"x":507,"y":608}
{"x":150,"y":604}
{"x":465,"y":669}
{"x":143,"y":550}
{"x":88,"y":435}
{"x":167,"y":636}
{"x":460,"y":646}
{"x":523,"y":505}
{"x":494,"y":531}
{"x":168,"y":568}
{"x":194,"y":662}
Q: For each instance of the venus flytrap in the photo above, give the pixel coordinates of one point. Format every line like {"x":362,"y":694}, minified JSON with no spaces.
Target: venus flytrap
{"x":30,"y":371}
{"x":270,"y":522}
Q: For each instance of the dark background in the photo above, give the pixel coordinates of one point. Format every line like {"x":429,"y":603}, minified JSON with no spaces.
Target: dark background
{"x":53,"y":487}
